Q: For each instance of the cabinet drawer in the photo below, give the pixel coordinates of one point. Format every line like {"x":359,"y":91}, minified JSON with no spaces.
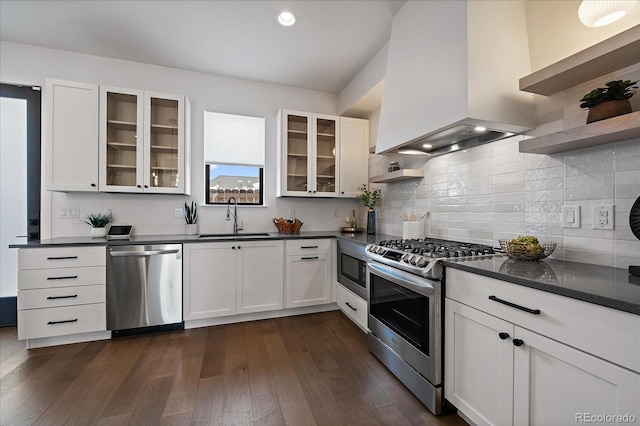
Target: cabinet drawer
{"x":353,"y":306}
{"x":61,"y":296}
{"x":37,"y":323}
{"x":61,"y":257}
{"x":302,"y":247}
{"x":610,"y":334}
{"x":61,"y":277}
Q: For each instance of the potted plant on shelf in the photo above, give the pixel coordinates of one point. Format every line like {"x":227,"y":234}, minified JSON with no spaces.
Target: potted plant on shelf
{"x":370,"y":200}
{"x":610,"y":101}
{"x":191,"y":217}
{"x":98,"y":223}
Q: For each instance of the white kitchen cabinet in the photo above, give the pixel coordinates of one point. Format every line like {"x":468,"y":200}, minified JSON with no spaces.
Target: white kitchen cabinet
{"x":71,"y":136}
{"x":229,"y":278}
{"x":308,"y":273}
{"x":61,"y":291}
{"x":143,"y":141}
{"x":353,"y":306}
{"x":354,"y":155}
{"x":507,"y":366}
{"x":308,"y":146}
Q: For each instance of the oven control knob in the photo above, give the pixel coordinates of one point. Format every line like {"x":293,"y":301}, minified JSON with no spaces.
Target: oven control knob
{"x":422,"y":262}
{"x":414,"y":260}
{"x":408,"y":258}
{"x":380,"y":250}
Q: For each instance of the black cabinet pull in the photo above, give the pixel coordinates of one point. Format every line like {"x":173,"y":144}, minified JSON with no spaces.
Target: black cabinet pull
{"x":352,"y":308}
{"x":93,"y":185}
{"x":146,"y":186}
{"x":309,"y":258}
{"x":233,"y":248}
{"x":70,"y":277}
{"x":503,"y":335}
{"x":62,"y":297}
{"x":513,"y":305}
{"x":62,"y":322}
{"x":62,"y":257}
{"x":518,"y":342}
{"x":239,"y":247}
{"x":308,"y":247}
{"x":139,"y":186}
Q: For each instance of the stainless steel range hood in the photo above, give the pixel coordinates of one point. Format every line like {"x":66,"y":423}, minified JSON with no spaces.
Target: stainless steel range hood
{"x":454,"y":66}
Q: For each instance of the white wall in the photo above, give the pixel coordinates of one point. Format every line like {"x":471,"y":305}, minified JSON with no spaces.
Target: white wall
{"x":154,"y":214}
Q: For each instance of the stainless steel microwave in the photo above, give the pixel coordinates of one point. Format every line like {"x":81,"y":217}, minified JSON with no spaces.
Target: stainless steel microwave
{"x":352,"y":267}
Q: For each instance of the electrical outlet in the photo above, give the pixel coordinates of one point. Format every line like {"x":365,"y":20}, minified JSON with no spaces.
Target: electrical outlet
{"x":603,"y":217}
{"x":571,"y":216}
{"x":335,"y":213}
{"x":69,"y":213}
{"x":292,"y":213}
{"x":110,"y":212}
{"x":178,"y":213}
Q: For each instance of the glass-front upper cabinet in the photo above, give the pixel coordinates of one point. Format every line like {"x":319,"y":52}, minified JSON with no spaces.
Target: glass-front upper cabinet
{"x":142,"y":141}
{"x":307,"y":161}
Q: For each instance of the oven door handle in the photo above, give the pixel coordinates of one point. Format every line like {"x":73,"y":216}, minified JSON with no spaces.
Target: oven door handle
{"x":403,"y":279}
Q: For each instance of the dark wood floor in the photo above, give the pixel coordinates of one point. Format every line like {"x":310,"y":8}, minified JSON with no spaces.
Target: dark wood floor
{"x":303,"y":370}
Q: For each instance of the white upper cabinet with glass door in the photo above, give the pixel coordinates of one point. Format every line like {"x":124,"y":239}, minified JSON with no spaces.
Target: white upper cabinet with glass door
{"x":142,"y":141}
{"x":308,"y":154}
{"x":164,"y":164}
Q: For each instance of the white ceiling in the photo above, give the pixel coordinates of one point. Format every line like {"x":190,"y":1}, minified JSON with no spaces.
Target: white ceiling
{"x":330,"y":43}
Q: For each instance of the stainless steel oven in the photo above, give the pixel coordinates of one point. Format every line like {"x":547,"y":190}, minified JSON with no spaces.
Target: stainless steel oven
{"x":352,"y":267}
{"x":405,"y":319}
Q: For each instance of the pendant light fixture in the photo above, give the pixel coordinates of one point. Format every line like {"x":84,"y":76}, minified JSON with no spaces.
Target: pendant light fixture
{"x":597,"y":13}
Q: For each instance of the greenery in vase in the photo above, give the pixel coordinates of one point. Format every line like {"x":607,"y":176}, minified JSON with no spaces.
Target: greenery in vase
{"x":98,"y":220}
{"x":615,"y":91}
{"x":369,"y":198}
{"x":191,"y":213}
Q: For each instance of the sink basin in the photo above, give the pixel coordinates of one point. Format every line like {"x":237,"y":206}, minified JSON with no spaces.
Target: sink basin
{"x":239,"y":235}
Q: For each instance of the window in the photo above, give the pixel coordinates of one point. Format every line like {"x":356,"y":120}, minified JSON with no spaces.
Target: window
{"x":234,"y":158}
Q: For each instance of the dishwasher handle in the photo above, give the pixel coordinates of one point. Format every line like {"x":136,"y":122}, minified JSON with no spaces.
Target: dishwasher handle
{"x":142,"y":253}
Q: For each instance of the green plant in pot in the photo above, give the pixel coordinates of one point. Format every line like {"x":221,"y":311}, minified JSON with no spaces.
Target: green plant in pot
{"x":191,"y":218}
{"x":609,"y":101}
{"x":370,"y":200}
{"x":98,"y":223}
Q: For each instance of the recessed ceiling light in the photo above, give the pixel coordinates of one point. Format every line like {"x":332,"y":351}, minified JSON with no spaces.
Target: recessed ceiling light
{"x":480,"y":129}
{"x":287,"y":19}
{"x":427,"y":146}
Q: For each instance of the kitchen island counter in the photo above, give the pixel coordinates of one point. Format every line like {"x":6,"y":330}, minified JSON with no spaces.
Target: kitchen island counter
{"x":601,"y":285}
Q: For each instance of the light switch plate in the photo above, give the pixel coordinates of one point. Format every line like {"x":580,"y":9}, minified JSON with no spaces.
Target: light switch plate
{"x":603,"y":217}
{"x":571,"y":216}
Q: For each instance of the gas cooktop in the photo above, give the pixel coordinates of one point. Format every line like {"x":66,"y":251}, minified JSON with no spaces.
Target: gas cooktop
{"x":422,"y":256}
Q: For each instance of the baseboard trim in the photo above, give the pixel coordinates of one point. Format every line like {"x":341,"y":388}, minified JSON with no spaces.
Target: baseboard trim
{"x":8,"y":311}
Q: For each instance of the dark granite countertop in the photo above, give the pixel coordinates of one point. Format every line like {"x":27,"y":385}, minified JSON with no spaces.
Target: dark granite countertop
{"x":602,"y":285}
{"x":361,"y":237}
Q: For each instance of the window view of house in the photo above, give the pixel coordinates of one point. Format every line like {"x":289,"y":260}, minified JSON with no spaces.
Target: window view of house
{"x":244,"y":183}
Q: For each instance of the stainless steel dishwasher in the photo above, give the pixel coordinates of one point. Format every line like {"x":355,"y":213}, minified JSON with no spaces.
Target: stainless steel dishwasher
{"x":144,"y":288}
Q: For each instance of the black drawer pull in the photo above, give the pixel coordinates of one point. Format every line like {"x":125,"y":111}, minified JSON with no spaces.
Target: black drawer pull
{"x":503,"y":335}
{"x":70,"y":277}
{"x":352,"y":308}
{"x":308,"y":247}
{"x":62,"y":322}
{"x":62,"y":258}
{"x":518,"y":342}
{"x":61,"y":297}
{"x":513,"y":305}
{"x":309,"y":258}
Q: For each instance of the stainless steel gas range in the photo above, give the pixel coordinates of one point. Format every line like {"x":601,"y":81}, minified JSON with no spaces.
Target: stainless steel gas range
{"x":404,"y":278}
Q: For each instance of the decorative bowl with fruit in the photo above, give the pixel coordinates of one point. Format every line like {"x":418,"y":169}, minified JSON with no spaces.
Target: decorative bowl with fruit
{"x":527,"y":247}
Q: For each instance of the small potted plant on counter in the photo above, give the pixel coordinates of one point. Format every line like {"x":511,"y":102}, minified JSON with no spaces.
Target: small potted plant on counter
{"x":370,"y":200}
{"x":191,"y":217}
{"x":610,"y":101}
{"x":98,"y":223}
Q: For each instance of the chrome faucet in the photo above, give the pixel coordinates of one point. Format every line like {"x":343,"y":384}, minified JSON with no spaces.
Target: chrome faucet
{"x":236,"y":228}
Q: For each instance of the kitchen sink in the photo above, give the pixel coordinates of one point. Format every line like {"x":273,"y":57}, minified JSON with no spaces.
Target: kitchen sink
{"x":234,"y":236}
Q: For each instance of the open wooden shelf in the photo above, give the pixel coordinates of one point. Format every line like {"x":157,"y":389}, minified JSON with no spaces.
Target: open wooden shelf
{"x":601,"y":132}
{"x":612,"y":54}
{"x":398,"y":175}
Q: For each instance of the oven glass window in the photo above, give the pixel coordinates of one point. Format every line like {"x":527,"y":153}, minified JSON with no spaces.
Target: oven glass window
{"x":404,"y":311}
{"x":353,"y":269}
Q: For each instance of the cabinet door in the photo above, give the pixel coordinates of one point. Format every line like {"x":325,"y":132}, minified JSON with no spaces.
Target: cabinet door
{"x":210,"y":272}
{"x":308,"y":280}
{"x":164,"y":143}
{"x":121,"y":139}
{"x":261,"y":280}
{"x":547,"y":372}
{"x":478,"y":364}
{"x":353,"y":155}
{"x":324,"y":162}
{"x":295,"y":147}
{"x":71,"y":136}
